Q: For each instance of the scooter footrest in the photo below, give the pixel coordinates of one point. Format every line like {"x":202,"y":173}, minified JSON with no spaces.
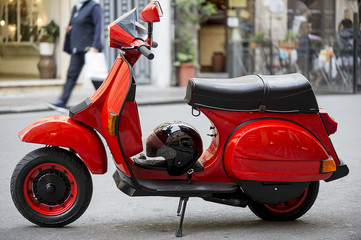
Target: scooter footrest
{"x":160,"y":164}
{"x":183,"y":188}
{"x":153,"y":164}
{"x":171,"y":188}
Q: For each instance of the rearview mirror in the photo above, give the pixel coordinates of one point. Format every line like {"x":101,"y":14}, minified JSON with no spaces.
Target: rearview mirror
{"x":152,"y":12}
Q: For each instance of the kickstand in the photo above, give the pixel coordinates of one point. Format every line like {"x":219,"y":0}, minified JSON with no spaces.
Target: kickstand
{"x":181,"y":207}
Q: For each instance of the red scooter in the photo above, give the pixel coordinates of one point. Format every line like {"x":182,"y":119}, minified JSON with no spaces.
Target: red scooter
{"x":270,"y":143}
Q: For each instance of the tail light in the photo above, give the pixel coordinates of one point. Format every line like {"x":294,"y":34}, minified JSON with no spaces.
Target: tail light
{"x":330,"y":124}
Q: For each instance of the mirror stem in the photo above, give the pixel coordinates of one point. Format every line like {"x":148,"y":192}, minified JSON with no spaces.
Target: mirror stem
{"x":150,"y":31}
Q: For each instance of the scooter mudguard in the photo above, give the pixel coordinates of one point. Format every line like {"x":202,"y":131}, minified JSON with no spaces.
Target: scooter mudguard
{"x":274,"y":150}
{"x":62,"y":131}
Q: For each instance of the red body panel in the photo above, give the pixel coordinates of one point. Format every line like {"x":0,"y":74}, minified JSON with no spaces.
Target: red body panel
{"x":91,"y":115}
{"x":274,"y":150}
{"x":225,"y":123}
{"x":330,"y":124}
{"x":116,"y":103}
{"x":130,"y":133}
{"x":63,"y":132}
{"x":111,"y":98}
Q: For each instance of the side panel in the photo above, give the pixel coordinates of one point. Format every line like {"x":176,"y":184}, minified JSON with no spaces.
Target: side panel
{"x":91,"y":114}
{"x":115,"y":103}
{"x":63,"y":132}
{"x":130,"y":133}
{"x":274,"y":150}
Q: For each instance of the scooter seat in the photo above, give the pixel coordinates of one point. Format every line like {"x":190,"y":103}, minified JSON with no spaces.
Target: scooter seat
{"x":276,"y":93}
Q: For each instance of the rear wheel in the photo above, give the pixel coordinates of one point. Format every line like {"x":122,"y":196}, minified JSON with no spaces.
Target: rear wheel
{"x":51,"y":187}
{"x":287,"y":211}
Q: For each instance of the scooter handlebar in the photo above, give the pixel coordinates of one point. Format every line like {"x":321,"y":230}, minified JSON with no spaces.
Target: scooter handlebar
{"x":146,"y":52}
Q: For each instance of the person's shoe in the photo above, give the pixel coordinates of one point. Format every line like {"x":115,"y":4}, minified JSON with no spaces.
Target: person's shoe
{"x":58,"y":106}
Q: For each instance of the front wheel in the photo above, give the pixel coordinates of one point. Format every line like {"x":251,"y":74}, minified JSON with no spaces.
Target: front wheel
{"x":288,"y":211}
{"x":51,"y":187}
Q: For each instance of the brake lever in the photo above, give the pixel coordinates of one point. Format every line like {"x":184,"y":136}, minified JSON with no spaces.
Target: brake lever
{"x":128,"y":48}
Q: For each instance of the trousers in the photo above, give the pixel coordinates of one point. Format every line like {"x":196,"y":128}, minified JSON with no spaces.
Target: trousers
{"x":77,"y":61}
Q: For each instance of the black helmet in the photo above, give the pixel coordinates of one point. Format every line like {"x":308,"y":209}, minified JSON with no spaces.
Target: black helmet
{"x":178,"y":142}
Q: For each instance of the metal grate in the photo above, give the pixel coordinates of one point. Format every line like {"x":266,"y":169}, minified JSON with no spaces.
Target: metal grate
{"x":111,"y":11}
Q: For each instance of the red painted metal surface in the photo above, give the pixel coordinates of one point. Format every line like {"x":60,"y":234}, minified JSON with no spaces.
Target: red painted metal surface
{"x":130,"y":133}
{"x":91,"y":116}
{"x":109,"y":98}
{"x":150,"y":13}
{"x":118,"y":92}
{"x":64,"y":132}
{"x":118,"y":37}
{"x":330,"y":124}
{"x":274,"y":150}
{"x":114,"y":103}
{"x":226,"y":121}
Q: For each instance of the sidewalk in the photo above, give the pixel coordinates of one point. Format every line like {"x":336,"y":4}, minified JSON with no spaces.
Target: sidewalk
{"x":15,"y":97}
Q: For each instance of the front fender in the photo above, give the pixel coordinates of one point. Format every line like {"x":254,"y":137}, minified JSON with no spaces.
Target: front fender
{"x":274,"y":150}
{"x":62,"y":131}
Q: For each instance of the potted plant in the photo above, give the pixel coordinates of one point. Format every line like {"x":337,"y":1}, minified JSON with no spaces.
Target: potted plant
{"x":46,"y":35}
{"x":290,"y":41}
{"x":190,"y":13}
{"x":219,"y":60}
{"x":185,"y":58}
{"x":258,"y":40}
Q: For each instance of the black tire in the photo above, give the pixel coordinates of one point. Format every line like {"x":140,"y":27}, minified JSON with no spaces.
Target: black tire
{"x":51,"y":187}
{"x":287,"y":211}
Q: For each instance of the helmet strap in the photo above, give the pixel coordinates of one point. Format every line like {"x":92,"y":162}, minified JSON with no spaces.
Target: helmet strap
{"x":190,"y":174}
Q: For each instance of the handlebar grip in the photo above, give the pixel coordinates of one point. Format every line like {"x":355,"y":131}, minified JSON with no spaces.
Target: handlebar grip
{"x":146,"y":52}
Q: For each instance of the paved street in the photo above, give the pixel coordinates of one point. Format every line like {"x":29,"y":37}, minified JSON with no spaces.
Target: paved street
{"x":113,"y":215}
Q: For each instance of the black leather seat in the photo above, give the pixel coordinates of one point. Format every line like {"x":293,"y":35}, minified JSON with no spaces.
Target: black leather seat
{"x":276,"y":93}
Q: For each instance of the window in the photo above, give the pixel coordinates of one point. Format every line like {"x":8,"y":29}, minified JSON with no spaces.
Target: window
{"x":320,"y":13}
{"x":17,"y":18}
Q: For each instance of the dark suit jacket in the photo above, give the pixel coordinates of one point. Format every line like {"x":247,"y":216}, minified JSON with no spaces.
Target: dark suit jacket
{"x":86,"y":28}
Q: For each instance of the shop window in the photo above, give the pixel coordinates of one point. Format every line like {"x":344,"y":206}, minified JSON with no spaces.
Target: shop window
{"x":17,"y":18}
{"x":241,"y":15}
{"x":320,"y":13}
{"x":232,"y":16}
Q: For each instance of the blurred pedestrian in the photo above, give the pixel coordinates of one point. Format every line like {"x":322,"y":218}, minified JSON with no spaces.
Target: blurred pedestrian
{"x":302,"y":15}
{"x":344,"y":39}
{"x":304,"y":53}
{"x":83,"y":34}
{"x":344,"y":49}
{"x":307,"y":53}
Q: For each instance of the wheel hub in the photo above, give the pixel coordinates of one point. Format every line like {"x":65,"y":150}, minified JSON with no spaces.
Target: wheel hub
{"x":51,"y":187}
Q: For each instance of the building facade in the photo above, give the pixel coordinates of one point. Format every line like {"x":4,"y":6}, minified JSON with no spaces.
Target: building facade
{"x":234,"y":20}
